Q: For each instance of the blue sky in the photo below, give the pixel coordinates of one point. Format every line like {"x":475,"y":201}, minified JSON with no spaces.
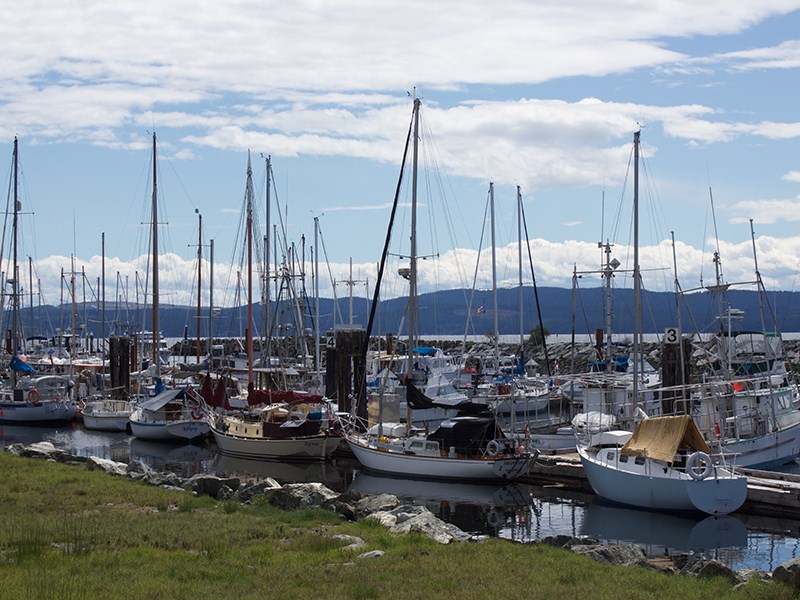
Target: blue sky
{"x":543,"y":95}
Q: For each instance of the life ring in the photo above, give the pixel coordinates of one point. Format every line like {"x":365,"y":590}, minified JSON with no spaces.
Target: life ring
{"x":34,"y":396}
{"x":493,"y":448}
{"x":699,"y":459}
{"x":197,"y":414}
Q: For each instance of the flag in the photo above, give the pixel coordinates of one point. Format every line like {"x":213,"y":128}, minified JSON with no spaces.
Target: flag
{"x":480,"y":310}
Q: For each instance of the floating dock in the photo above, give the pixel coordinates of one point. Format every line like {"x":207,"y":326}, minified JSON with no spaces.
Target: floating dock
{"x":769,"y":493}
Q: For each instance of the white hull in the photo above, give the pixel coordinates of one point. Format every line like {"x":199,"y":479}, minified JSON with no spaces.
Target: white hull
{"x":316,"y":447}
{"x":45,"y":411}
{"x":767,"y":451}
{"x":170,"y":430}
{"x":107,"y":422}
{"x":418,"y":465}
{"x":107,"y":415}
{"x":652,"y":488}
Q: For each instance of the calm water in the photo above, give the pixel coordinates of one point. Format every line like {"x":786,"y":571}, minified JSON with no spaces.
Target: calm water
{"x":517,"y":512}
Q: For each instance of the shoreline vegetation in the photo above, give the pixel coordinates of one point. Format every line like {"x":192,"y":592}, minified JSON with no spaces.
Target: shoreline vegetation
{"x":74,"y":532}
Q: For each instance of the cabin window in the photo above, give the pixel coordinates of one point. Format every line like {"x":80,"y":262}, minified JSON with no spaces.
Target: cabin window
{"x":639,"y":460}
{"x":432,"y":447}
{"x":416,"y":446}
{"x":623,"y":458}
{"x":610,"y":456}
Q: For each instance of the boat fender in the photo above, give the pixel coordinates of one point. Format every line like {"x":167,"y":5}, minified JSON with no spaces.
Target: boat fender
{"x":493,"y":448}
{"x":697,"y":461}
{"x":34,"y":396}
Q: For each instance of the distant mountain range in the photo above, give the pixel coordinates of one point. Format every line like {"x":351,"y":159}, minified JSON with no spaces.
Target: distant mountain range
{"x":446,"y":312}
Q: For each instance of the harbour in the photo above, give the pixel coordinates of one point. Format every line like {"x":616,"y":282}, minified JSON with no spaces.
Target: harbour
{"x":555,"y":500}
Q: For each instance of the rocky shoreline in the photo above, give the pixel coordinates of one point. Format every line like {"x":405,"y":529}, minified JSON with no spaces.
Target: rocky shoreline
{"x":391,"y":513}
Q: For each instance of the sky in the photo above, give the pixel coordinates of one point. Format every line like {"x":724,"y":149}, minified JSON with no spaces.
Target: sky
{"x":545,"y":96}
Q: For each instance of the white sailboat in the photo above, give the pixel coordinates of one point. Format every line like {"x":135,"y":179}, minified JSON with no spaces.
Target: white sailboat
{"x":171,"y":414}
{"x":745,"y":403}
{"x":463,"y":447}
{"x":665,"y":463}
{"x":29,"y":399}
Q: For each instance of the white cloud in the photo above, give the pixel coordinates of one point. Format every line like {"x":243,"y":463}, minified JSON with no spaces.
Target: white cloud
{"x":554,"y":263}
{"x":766,"y":211}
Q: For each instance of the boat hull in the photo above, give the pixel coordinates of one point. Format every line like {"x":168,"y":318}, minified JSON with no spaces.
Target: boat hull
{"x":51,"y":412}
{"x":106,"y":422}
{"x":712,"y":495}
{"x":303,"y":448}
{"x":173,"y":430}
{"x":767,"y":451}
{"x":417,"y":465}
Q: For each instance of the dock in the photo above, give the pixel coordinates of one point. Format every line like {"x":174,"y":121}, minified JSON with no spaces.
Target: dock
{"x":769,"y":493}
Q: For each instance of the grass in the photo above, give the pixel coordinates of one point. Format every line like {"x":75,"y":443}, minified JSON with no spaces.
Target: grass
{"x":72,"y":533}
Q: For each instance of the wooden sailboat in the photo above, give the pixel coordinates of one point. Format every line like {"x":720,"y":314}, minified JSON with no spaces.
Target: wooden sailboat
{"x":30,"y":399}
{"x":463,"y":447}
{"x":295,"y":430}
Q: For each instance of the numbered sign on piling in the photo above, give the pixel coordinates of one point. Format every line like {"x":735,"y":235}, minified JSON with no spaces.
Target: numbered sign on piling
{"x":331,"y":343}
{"x":671,"y":335}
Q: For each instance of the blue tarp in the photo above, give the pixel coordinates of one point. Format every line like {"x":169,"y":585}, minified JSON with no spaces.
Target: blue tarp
{"x":18,"y":365}
{"x":424,"y":350}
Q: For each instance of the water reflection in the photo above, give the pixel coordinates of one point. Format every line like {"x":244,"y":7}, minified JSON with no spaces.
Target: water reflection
{"x":473,"y":507}
{"x":184,"y":459}
{"x":517,"y":512}
{"x":331,"y":474}
{"x":661,"y":533}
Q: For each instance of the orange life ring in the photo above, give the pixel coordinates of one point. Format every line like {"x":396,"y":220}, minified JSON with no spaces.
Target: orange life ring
{"x":197,"y":414}
{"x":34,"y":396}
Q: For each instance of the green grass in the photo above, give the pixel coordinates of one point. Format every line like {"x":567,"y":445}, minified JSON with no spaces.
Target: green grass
{"x":72,"y":533}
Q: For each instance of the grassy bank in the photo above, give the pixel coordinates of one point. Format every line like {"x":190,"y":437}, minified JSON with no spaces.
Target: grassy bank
{"x":72,"y":533}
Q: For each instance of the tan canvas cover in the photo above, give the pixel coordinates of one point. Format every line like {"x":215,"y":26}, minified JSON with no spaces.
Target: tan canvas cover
{"x":660,"y":437}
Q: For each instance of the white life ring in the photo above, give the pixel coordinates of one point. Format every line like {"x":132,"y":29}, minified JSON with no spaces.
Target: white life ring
{"x":699,"y":459}
{"x":493,"y":448}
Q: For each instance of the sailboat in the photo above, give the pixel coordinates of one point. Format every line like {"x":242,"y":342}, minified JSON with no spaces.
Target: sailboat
{"x":171,"y":414}
{"x":665,"y":463}
{"x":297,"y":429}
{"x":31,"y":398}
{"x":508,"y":391}
{"x":463,"y":447}
{"x":745,"y":403}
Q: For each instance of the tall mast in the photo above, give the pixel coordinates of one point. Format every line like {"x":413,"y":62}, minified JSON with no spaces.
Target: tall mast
{"x":496,"y":319}
{"x":266,"y":351}
{"x":199,"y":276}
{"x":412,"y":288}
{"x":317,"y":332}
{"x":210,"y":295}
{"x":103,"y":303}
{"x":155,"y":261}
{"x":249,"y":329}
{"x":519,"y":259}
{"x":14,"y":278}
{"x":637,"y":284}
{"x":30,"y":286}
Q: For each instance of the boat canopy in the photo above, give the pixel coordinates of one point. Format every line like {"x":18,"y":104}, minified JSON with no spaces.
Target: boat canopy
{"x":17,"y":364}
{"x":161,"y":400}
{"x":660,"y":438}
{"x":468,"y":435}
{"x":425,"y":350}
